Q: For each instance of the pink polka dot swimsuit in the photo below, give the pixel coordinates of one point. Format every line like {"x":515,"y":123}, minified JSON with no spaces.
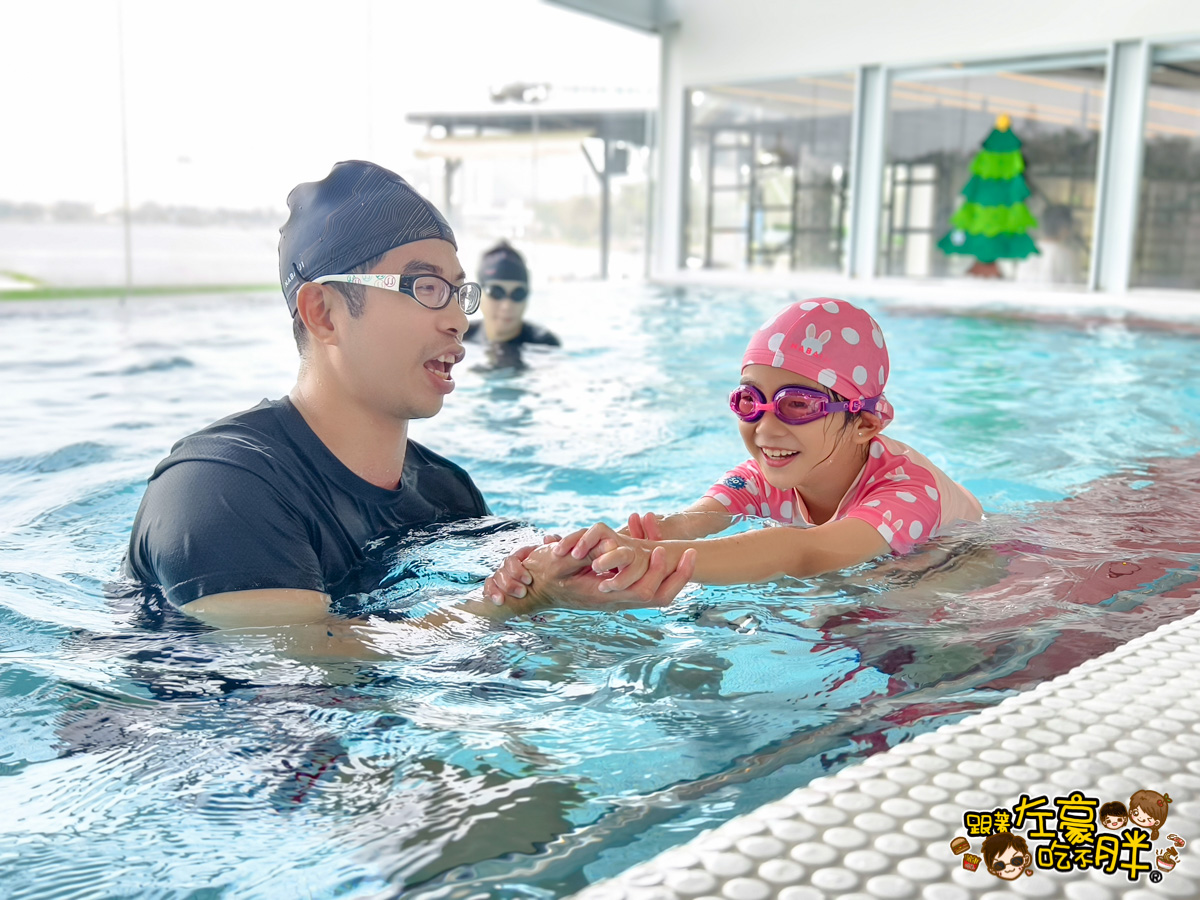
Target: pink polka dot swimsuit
{"x":904,"y":496}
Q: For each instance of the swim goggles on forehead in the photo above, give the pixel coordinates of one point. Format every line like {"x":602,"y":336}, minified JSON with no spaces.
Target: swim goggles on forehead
{"x":516,"y":295}
{"x":793,"y":405}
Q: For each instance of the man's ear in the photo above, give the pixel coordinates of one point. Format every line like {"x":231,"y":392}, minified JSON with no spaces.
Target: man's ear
{"x":314,"y":306}
{"x":868,"y":426}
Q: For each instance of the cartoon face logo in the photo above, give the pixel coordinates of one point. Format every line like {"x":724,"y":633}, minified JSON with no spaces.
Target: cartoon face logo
{"x":1006,"y":855}
{"x":1113,"y":815}
{"x":1148,"y":809}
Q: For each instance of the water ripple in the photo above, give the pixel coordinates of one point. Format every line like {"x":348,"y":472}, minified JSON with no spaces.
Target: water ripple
{"x":153,"y":366}
{"x":63,"y":459}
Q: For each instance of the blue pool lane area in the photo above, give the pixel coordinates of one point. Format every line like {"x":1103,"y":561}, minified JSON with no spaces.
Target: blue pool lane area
{"x":144,"y":756}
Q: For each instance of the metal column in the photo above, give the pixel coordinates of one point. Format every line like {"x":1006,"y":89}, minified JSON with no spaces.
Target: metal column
{"x":1120,"y":166}
{"x":867,"y":151}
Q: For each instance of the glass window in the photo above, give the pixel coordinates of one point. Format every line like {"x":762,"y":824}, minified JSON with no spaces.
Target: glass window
{"x":1169,"y":211}
{"x":939,"y":119}
{"x":767,"y":174}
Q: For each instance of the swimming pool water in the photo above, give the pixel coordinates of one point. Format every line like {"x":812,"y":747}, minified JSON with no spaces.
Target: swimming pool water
{"x":151,"y":758}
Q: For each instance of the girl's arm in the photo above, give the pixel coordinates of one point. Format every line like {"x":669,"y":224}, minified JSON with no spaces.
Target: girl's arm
{"x":738,"y":559}
{"x":704,"y":517}
{"x":509,"y":583}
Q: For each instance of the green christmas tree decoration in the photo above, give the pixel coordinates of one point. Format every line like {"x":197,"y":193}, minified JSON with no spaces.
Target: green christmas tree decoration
{"x":993,"y":222}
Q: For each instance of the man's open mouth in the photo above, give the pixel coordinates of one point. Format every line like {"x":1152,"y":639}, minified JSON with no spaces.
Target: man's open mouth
{"x":442,"y":365}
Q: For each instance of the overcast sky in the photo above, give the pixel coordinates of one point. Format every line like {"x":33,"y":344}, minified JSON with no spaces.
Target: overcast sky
{"x":233,"y":102}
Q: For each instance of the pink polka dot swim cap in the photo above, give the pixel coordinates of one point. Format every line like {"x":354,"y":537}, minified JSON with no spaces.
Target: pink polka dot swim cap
{"x":833,"y":342}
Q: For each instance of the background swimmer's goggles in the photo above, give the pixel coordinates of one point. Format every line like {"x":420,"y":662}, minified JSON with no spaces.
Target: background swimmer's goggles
{"x":431,"y":291}
{"x":793,"y":405}
{"x":516,"y":295}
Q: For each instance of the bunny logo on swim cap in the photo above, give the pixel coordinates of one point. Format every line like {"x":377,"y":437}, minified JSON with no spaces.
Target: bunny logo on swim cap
{"x":833,"y":342}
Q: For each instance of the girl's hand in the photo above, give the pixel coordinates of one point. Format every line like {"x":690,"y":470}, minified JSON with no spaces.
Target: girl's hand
{"x":643,"y":526}
{"x":628,"y":557}
{"x":509,"y":581}
{"x":581,"y":544}
{"x":562,"y":580}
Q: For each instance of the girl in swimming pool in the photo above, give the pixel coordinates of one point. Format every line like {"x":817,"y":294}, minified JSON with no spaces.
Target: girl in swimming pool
{"x":811,"y":412}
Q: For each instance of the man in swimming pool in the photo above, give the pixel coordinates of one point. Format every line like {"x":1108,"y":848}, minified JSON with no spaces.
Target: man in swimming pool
{"x":503,"y":330}
{"x":258,"y":519}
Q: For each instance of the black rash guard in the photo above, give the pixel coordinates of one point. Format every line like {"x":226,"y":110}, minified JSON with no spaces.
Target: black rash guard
{"x":529,"y":334}
{"x":256,"y":501}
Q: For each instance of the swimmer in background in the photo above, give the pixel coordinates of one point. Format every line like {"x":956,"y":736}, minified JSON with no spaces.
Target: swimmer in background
{"x":505,"y":281}
{"x":811,"y":410}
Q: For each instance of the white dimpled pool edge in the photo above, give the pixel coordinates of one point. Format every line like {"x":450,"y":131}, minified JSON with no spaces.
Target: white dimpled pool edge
{"x":1125,"y":721}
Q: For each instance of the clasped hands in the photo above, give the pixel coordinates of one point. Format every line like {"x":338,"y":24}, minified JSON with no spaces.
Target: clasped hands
{"x":594,"y":568}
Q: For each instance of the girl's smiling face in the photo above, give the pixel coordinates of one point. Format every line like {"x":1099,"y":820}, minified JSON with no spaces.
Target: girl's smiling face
{"x":1138,"y":817}
{"x":791,"y":456}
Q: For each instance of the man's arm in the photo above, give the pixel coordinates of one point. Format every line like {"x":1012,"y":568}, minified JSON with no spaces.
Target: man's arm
{"x":285,"y":606}
{"x":260,"y":609}
{"x":299,"y":623}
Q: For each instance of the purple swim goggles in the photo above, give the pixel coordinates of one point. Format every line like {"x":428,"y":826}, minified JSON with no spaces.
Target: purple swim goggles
{"x":793,"y":405}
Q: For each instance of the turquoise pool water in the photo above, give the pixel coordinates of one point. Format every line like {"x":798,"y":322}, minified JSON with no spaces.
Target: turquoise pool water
{"x":142,"y":758}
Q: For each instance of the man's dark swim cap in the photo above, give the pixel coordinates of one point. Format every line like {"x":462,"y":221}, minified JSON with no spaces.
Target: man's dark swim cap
{"x":503,"y":263}
{"x":357,"y":212}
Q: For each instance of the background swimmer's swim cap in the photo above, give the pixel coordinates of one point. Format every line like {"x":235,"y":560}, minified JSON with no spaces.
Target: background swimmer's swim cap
{"x":357,"y":212}
{"x":503,"y":263}
{"x":830,"y":341}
